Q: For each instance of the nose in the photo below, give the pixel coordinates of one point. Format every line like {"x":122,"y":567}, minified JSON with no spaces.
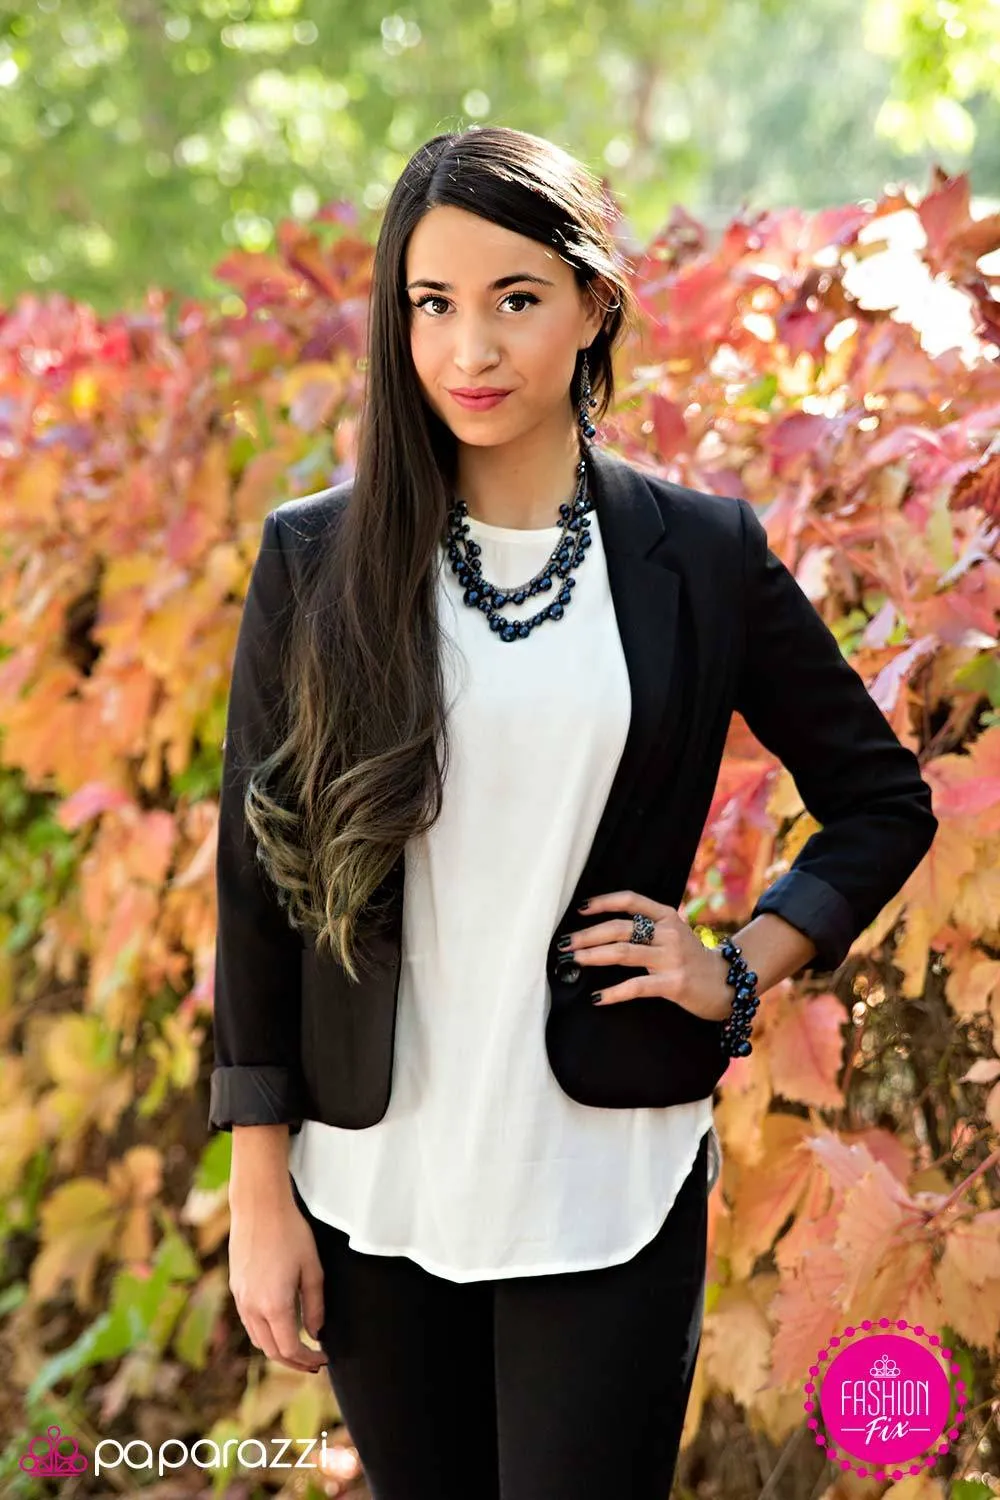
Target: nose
{"x":474,"y":349}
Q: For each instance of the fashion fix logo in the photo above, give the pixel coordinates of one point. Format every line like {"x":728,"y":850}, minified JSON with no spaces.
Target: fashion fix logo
{"x":886,"y":1405}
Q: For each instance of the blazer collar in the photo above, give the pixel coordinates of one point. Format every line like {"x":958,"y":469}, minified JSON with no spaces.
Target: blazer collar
{"x":645,"y":592}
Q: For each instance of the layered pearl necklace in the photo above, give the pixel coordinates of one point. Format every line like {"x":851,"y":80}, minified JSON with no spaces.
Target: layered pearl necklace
{"x":566,"y":556}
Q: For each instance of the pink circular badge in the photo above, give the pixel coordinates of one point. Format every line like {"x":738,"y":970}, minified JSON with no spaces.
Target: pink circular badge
{"x":885,"y":1400}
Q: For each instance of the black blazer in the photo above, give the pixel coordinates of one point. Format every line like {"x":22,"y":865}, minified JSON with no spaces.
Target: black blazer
{"x":711,"y":621}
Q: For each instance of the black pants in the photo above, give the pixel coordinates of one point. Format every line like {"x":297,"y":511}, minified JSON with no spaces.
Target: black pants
{"x":566,"y":1386}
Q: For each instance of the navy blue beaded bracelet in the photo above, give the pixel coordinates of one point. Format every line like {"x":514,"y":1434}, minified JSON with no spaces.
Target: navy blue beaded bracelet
{"x":736,"y":1028}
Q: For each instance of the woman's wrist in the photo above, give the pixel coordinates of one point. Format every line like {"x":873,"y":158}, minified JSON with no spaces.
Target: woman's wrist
{"x":773,"y":948}
{"x":259,"y":1169}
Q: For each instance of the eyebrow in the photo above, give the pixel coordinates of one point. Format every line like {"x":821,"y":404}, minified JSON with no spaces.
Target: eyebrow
{"x":495,"y":286}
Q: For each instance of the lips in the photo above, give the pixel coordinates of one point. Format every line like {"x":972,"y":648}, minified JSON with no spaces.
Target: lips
{"x":478,"y":402}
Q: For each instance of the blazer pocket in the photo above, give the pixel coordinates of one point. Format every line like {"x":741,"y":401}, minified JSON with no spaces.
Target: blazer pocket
{"x":348,"y":1033}
{"x":648,"y":1052}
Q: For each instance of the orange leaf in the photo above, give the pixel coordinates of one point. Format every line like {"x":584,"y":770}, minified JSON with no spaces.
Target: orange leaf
{"x":805,"y":1048}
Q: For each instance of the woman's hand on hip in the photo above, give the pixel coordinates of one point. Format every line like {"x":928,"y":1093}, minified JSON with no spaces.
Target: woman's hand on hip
{"x":675,"y":964}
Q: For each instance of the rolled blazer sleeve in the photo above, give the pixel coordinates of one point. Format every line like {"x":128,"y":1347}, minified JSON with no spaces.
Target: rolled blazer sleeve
{"x":804,"y":701}
{"x":256,"y":1079}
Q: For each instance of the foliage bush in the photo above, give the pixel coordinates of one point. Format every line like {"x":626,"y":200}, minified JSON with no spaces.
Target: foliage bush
{"x":139,"y":455}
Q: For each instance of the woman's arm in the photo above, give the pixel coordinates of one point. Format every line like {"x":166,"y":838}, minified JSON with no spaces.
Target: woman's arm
{"x":256,"y":1079}
{"x":807,"y":704}
{"x":259,"y":1172}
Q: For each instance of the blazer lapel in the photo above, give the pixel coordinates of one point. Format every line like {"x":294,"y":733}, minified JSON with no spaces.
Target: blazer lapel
{"x":645,"y":594}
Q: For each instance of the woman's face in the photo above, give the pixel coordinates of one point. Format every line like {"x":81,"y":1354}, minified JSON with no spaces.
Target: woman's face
{"x":468,"y":331}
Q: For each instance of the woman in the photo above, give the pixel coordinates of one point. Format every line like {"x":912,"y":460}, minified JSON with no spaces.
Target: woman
{"x":505,"y":672}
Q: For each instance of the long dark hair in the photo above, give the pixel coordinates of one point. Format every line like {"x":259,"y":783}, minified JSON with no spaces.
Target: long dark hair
{"x":363,"y":761}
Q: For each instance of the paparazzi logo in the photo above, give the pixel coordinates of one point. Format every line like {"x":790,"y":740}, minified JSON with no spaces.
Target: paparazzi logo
{"x":45,"y":1459}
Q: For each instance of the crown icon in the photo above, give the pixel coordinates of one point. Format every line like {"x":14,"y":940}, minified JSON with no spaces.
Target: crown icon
{"x":44,"y":1459}
{"x":884,"y":1368}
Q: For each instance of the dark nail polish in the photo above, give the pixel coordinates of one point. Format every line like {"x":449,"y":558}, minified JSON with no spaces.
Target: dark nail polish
{"x":564,"y":942}
{"x":596,"y":996}
{"x":583,"y":905}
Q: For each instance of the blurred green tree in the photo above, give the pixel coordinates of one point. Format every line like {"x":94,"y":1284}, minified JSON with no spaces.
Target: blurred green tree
{"x":142,"y":139}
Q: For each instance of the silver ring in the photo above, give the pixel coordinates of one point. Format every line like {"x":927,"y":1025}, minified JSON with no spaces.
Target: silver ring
{"x":642,"y":929}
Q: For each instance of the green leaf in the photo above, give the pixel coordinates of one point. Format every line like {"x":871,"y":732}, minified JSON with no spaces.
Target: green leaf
{"x":213,"y":1167}
{"x":108,"y":1337}
{"x":175,"y":1260}
{"x":195,"y":1329}
{"x":981,"y":675}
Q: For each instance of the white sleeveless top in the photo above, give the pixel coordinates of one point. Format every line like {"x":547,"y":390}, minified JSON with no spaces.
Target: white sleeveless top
{"x":482,"y":1166}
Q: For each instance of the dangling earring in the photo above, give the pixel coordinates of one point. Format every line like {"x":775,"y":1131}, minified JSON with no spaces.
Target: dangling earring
{"x":587,"y":401}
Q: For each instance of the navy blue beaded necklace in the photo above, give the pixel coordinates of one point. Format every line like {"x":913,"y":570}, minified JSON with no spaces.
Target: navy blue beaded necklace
{"x":566,"y":556}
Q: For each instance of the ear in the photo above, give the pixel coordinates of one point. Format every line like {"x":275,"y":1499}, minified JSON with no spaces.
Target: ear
{"x":597,"y":295}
